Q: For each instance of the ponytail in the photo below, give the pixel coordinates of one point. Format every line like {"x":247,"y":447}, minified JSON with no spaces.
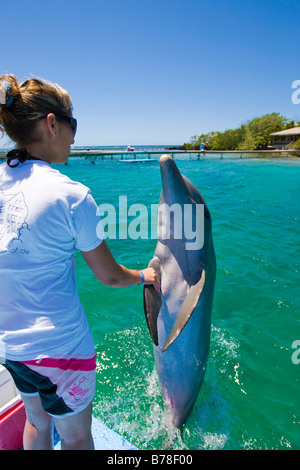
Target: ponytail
{"x":22,"y":105}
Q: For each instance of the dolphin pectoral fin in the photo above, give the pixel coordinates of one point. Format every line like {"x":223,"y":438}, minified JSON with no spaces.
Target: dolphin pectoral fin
{"x":185,"y":312}
{"x":152,"y":304}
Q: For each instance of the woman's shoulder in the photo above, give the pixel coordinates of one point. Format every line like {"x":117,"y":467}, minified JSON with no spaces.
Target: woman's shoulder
{"x":62,"y":185}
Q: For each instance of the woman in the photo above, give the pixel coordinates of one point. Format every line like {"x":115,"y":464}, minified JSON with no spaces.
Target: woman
{"x":45,"y":217}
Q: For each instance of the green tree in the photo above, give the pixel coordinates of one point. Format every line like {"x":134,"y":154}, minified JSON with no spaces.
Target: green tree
{"x":253,"y":135}
{"x":228,"y":140}
{"x":261,"y":128}
{"x":196,"y":141}
{"x":248,"y":142}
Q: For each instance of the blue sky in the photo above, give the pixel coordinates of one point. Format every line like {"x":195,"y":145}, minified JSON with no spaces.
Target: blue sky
{"x":157,"y":71}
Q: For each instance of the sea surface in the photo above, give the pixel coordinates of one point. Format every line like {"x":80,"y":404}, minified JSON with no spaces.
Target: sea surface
{"x":250,"y":398}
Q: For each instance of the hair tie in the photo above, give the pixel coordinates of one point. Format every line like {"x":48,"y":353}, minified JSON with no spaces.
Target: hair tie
{"x":17,"y":154}
{"x":5,"y":97}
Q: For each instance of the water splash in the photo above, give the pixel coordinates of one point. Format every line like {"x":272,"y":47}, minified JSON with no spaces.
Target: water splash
{"x":136,"y":410}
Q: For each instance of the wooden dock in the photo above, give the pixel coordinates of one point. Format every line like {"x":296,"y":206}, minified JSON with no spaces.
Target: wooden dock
{"x":155,"y":154}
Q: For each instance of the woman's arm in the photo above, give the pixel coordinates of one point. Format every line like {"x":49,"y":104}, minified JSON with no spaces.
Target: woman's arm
{"x":110,"y":273}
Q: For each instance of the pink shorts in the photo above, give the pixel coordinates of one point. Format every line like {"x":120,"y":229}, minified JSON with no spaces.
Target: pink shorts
{"x":66,"y":385}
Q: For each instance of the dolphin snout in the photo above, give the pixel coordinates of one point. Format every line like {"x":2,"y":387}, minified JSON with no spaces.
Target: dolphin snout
{"x":173,"y":187}
{"x":167,"y":165}
{"x":168,"y":168}
{"x":164,"y":158}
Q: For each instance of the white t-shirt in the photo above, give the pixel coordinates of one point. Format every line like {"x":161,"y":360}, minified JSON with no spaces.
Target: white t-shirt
{"x":44,"y":218}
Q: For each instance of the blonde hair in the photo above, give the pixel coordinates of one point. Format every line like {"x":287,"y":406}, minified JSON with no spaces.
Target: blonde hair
{"x":28,"y":102}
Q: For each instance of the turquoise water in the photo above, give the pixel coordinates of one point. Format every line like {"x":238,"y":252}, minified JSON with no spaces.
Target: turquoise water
{"x":250,"y":397}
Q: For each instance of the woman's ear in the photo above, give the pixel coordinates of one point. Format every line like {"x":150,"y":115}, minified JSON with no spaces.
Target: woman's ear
{"x":51,"y":124}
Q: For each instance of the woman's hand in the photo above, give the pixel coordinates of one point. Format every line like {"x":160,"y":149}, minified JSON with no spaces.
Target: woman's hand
{"x":151,"y":277}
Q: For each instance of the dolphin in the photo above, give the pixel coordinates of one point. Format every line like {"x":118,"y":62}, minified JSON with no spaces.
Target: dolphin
{"x":179,"y":316}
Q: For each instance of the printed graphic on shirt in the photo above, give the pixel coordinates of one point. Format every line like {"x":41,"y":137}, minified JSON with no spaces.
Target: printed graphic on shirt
{"x":13,"y":215}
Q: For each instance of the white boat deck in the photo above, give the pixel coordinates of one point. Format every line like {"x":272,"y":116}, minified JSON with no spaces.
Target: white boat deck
{"x":105,"y":438}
